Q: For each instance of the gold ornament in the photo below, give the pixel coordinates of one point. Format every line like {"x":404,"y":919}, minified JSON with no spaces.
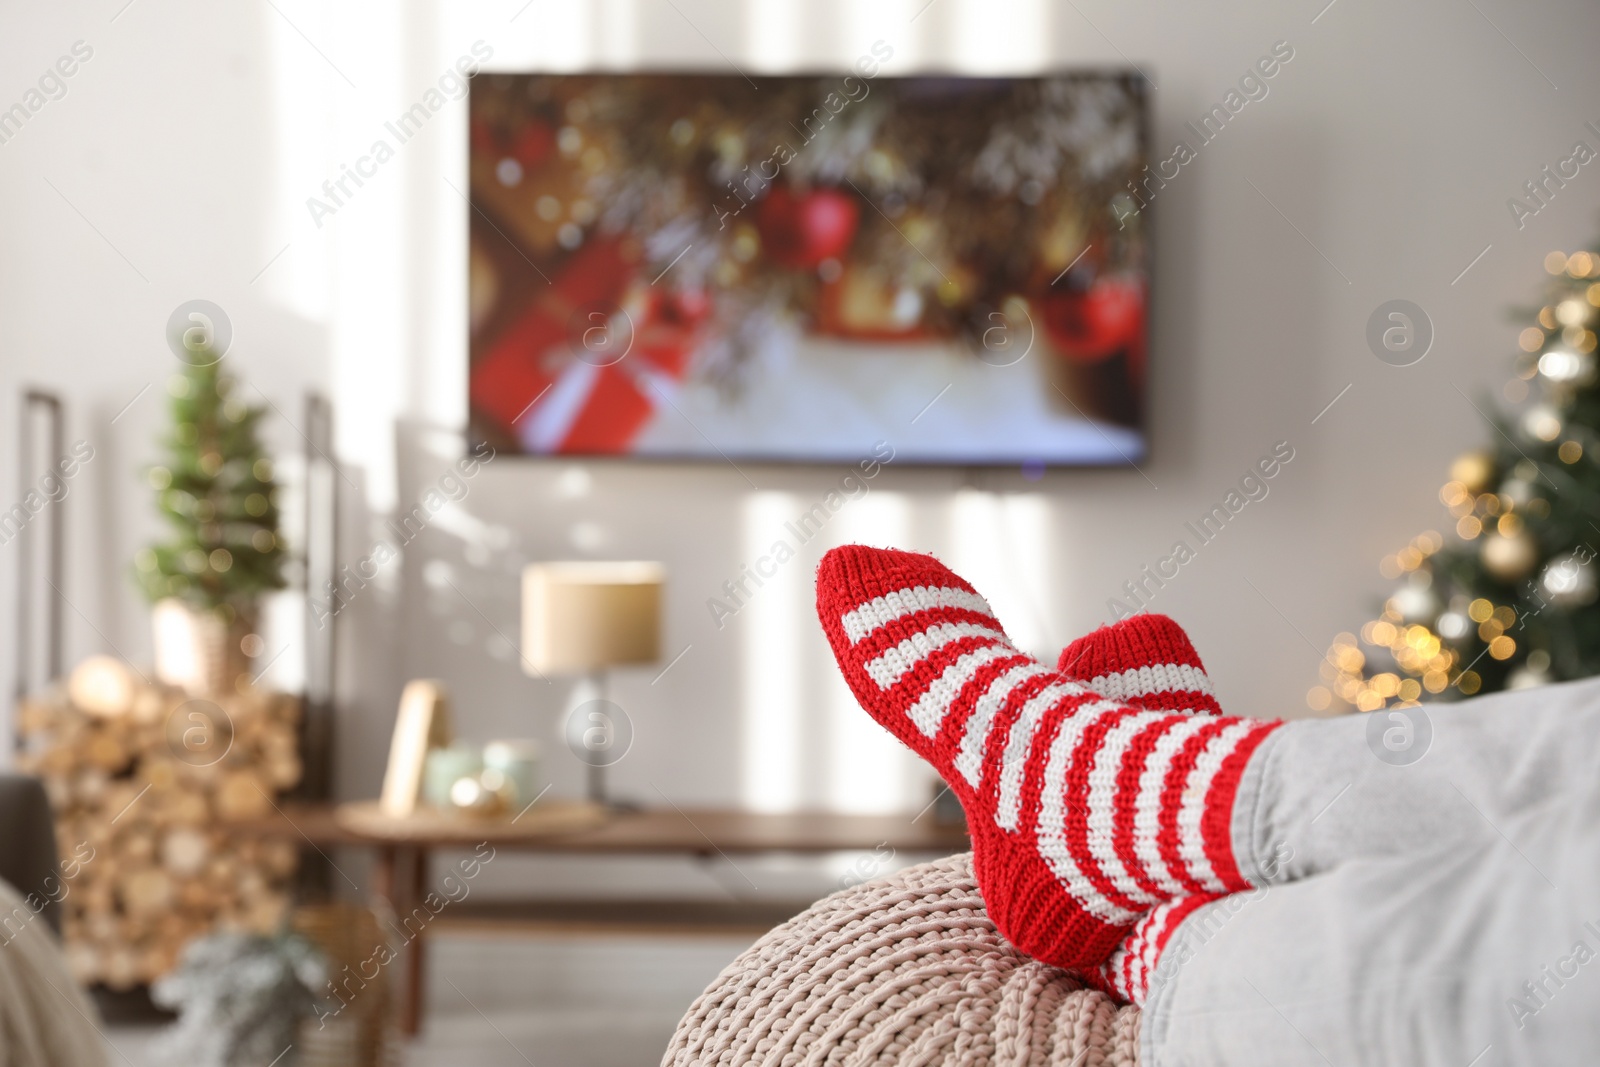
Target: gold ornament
{"x":1510,"y":557}
{"x":1473,"y":470}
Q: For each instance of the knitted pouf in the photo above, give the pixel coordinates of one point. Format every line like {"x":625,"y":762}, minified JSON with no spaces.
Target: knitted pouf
{"x":904,"y":970}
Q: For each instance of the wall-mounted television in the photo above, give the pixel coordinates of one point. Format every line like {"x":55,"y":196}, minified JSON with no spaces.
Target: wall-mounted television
{"x":710,"y":266}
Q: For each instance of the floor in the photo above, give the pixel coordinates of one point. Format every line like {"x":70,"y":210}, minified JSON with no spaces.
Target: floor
{"x":498,"y":1001}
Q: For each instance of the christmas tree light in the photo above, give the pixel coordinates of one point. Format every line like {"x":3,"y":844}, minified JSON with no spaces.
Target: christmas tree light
{"x":1510,"y":600}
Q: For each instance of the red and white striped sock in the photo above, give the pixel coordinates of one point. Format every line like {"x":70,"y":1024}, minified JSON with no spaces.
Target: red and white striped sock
{"x":1144,"y":659}
{"x":1149,"y":661}
{"x":1128,"y":974}
{"x":1085,"y":813}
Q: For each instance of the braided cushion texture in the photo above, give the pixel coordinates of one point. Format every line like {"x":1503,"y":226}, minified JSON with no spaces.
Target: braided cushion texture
{"x":904,"y":970}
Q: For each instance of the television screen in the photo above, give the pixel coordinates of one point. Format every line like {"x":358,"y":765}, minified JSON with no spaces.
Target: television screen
{"x":706,"y":266}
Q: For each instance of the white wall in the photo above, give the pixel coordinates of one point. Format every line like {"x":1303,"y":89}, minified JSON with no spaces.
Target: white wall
{"x":178,"y":164}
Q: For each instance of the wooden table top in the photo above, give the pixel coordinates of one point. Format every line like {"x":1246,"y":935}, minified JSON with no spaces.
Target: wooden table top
{"x":576,"y":827}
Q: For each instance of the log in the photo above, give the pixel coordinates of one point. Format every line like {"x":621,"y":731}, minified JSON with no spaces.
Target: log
{"x":136,"y":848}
{"x":280,"y":858}
{"x":147,"y":893}
{"x":184,"y":852}
{"x":222,"y":871}
{"x":102,"y":686}
{"x":83,"y":960}
{"x":120,"y":967}
{"x":283,"y":771}
{"x":105,"y":928}
{"x":189,"y":809}
{"x":149,"y":863}
{"x":243,"y":795}
{"x":197,"y":896}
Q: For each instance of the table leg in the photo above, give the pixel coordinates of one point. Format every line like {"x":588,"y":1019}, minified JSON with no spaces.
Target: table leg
{"x":399,"y":882}
{"x":383,"y":883}
{"x":414,"y":983}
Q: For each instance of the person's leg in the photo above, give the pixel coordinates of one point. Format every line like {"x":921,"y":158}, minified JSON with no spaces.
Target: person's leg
{"x":1475,"y":955}
{"x":1360,"y":786}
{"x":1085,"y":812}
{"x":1321,"y":792}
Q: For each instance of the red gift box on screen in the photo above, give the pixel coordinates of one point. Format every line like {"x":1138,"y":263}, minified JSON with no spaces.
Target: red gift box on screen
{"x":585,"y":367}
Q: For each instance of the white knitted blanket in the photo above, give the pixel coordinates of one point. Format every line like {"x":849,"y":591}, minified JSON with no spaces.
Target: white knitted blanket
{"x":904,"y":970}
{"x":45,"y":1020}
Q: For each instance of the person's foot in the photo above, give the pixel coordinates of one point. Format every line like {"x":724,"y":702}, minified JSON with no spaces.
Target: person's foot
{"x":1136,"y":962}
{"x":1144,"y":659}
{"x":1085,"y":813}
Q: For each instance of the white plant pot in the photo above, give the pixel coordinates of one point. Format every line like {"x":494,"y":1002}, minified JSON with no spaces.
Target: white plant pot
{"x":199,"y":652}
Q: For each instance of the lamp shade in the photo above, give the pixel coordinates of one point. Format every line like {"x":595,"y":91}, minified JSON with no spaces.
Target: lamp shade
{"x":585,"y":616}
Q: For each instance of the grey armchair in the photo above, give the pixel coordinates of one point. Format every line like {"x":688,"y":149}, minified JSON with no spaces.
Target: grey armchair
{"x":28,"y":859}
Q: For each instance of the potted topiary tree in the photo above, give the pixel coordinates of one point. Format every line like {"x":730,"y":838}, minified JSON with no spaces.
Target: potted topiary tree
{"x":216,"y":490}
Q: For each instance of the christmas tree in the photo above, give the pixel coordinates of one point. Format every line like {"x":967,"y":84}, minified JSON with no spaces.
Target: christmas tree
{"x":216,"y":489}
{"x":1509,"y":599}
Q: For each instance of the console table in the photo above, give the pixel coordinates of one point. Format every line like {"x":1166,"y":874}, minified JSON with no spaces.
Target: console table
{"x":403,"y":848}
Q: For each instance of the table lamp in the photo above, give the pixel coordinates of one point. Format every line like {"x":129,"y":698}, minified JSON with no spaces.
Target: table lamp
{"x":585,"y":618}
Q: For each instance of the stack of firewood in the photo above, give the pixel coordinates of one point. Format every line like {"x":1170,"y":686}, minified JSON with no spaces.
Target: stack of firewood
{"x":144,"y":780}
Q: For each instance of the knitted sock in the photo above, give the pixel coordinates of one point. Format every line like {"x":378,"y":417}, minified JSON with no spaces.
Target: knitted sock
{"x":1085,"y":813}
{"x":1128,"y":974}
{"x":1145,"y":660}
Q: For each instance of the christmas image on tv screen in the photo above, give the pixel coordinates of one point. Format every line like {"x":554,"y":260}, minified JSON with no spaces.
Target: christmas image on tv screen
{"x":810,"y":269}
